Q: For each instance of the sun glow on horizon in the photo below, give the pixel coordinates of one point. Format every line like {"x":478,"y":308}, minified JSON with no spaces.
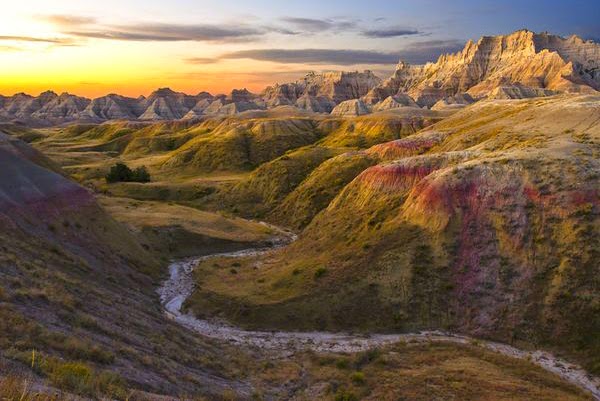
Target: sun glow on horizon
{"x":133,"y":47}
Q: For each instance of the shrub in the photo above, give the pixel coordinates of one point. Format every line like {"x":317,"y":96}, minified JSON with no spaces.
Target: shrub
{"x":342,"y":363}
{"x":72,"y":376}
{"x":320,"y":272}
{"x":140,"y":174}
{"x":18,"y":388}
{"x":344,"y":395}
{"x":358,"y":378}
{"x":367,"y":357}
{"x":121,"y":173}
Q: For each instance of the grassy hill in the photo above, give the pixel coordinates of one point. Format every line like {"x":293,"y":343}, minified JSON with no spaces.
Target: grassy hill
{"x":485,"y":223}
{"x":77,"y":296}
{"x":190,"y":160}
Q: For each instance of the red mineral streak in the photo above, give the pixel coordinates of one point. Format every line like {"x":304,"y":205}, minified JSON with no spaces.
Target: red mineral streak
{"x":563,"y":202}
{"x":472,"y":201}
{"x":394,"y":176}
{"x":402,"y":147}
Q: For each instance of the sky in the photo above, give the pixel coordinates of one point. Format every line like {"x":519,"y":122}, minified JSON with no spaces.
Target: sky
{"x":92,"y":48}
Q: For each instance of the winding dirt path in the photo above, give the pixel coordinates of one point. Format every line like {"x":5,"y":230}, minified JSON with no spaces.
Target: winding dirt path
{"x":180,"y":285}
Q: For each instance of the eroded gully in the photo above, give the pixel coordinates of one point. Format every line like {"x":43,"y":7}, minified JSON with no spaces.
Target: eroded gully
{"x":180,"y":285}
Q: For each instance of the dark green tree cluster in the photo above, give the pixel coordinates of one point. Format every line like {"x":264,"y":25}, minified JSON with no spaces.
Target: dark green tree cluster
{"x":121,"y":173}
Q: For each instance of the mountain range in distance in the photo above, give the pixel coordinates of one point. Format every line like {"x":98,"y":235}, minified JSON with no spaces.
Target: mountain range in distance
{"x":523,"y":64}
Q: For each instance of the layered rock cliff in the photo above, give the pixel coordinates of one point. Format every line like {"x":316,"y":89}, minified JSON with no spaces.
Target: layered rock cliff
{"x":335,"y":86}
{"x":523,"y":58}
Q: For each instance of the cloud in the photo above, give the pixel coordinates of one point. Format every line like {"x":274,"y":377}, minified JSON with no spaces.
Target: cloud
{"x":309,"y":24}
{"x":201,"y":60}
{"x":68,"y":20}
{"x":56,"y":41}
{"x":169,"y":32}
{"x":389,"y":32}
{"x":310,"y":56}
{"x":286,"y":74}
{"x":87,"y":27}
{"x":414,"y":53}
{"x":9,"y":49}
{"x":314,"y":25}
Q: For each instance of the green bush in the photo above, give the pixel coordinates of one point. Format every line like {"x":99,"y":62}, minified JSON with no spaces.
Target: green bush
{"x":344,"y":395}
{"x":358,"y":378}
{"x":72,"y":376}
{"x":320,"y":272}
{"x":121,"y":173}
{"x":118,"y":173}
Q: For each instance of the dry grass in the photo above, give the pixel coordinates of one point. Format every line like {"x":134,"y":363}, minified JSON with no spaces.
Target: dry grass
{"x":420,"y":372}
{"x":158,"y":215}
{"x":14,"y":388}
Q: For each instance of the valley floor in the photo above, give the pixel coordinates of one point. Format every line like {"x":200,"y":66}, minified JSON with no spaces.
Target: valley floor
{"x":180,"y":285}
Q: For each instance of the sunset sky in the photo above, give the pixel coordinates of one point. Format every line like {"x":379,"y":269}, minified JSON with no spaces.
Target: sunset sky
{"x":92,"y":48}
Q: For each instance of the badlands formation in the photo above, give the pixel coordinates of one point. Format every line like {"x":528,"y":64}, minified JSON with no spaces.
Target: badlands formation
{"x":520,"y":65}
{"x":461,"y":195}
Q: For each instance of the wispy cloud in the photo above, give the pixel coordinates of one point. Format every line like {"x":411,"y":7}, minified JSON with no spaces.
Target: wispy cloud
{"x":415,"y":53}
{"x":87,"y":27}
{"x":56,"y":41}
{"x":389,"y":32}
{"x":202,"y":60}
{"x":310,"y":56}
{"x":314,"y":25}
{"x":68,"y":20}
{"x":10,"y":49}
{"x":169,"y":33}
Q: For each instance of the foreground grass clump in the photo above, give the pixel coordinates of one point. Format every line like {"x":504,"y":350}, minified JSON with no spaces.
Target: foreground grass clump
{"x":82,"y":379}
{"x":62,"y":377}
{"x":14,"y":388}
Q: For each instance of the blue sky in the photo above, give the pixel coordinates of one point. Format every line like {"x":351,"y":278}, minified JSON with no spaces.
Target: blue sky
{"x":460,"y":19}
{"x":95,"y":47}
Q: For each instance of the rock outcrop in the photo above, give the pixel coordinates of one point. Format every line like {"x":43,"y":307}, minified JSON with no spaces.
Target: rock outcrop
{"x":351,"y":108}
{"x":316,"y":104}
{"x":238,"y":101}
{"x":518,"y":92}
{"x":165,"y":104}
{"x":537,"y":61}
{"x":456,"y":102}
{"x":65,"y":107}
{"x":395,"y":102}
{"x":111,"y":107}
{"x":21,"y":106}
{"x":335,"y":86}
{"x":198,"y":110}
